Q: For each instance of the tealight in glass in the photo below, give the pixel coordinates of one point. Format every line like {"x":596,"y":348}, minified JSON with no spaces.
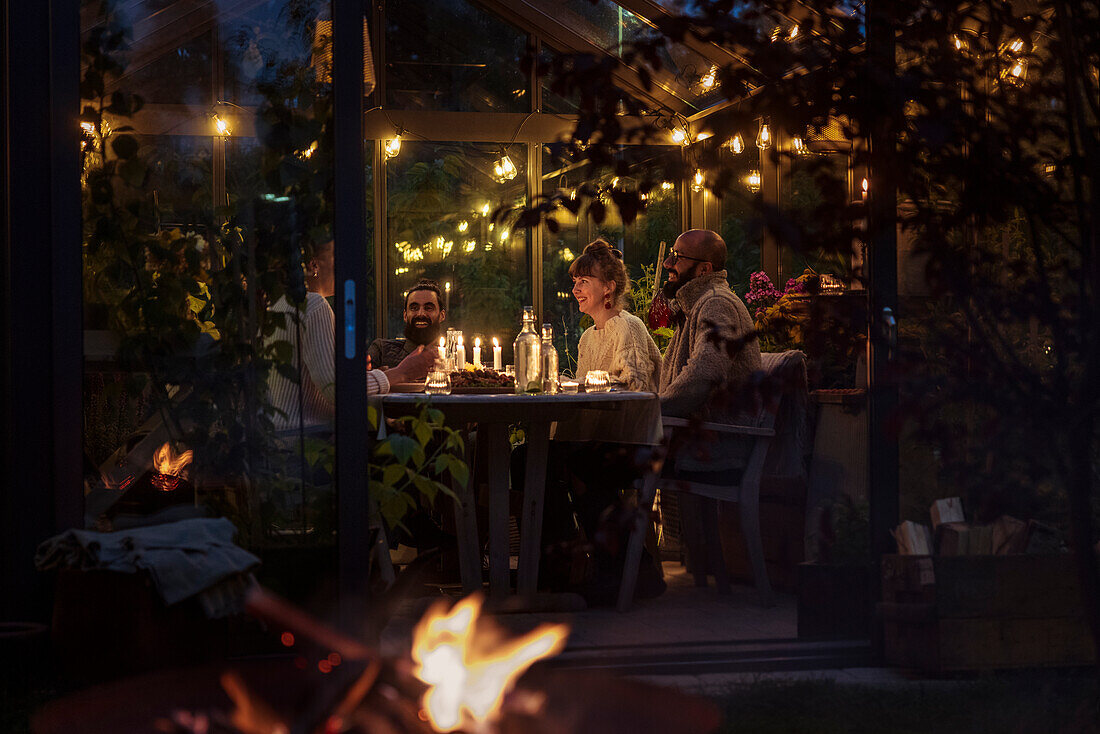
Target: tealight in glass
{"x":438,"y":381}
{"x":597,"y":381}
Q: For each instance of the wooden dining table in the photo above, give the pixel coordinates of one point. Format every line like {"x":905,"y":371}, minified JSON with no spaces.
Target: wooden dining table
{"x":493,"y":415}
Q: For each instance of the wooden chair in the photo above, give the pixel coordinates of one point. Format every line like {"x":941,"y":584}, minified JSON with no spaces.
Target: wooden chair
{"x":699,"y":502}
{"x":699,"y":493}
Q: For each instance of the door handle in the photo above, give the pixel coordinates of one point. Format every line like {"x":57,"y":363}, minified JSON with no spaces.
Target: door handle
{"x":349,"y":319}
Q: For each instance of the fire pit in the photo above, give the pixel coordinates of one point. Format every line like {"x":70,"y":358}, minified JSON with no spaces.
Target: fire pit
{"x":463,"y":674}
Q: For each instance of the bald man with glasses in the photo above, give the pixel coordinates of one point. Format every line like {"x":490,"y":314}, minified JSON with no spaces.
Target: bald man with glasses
{"x":703,"y":375}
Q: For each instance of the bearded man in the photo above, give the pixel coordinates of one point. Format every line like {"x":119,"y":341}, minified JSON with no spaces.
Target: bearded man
{"x":423,"y":315}
{"x":711,"y":356}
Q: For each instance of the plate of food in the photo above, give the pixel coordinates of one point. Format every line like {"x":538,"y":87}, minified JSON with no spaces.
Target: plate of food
{"x":481,"y":382}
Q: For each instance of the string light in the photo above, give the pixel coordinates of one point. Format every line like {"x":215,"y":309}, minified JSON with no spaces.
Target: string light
{"x":469,"y":245}
{"x":504,"y":170}
{"x":484,"y":209}
{"x":697,"y":181}
{"x":799,"y":147}
{"x":393,"y":146}
{"x":753,"y":181}
{"x":667,"y":185}
{"x":463,"y":226}
{"x":221,"y":126}
{"x":736,"y":144}
{"x":764,"y":137}
{"x":708,"y":80}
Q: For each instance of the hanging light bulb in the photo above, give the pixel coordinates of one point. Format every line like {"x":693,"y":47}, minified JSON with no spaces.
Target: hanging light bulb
{"x":484,"y":209}
{"x":221,"y":126}
{"x":393,"y":146}
{"x":504,"y":169}
{"x":753,"y":180}
{"x":736,"y":144}
{"x":799,"y":146}
{"x":463,"y":225}
{"x":697,"y":181}
{"x":1015,"y":74}
{"x":679,"y":137}
{"x":866,"y":186}
{"x":708,"y":80}
{"x":764,"y":137}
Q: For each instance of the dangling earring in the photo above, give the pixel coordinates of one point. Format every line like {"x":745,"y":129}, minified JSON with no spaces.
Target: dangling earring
{"x":607,"y":302}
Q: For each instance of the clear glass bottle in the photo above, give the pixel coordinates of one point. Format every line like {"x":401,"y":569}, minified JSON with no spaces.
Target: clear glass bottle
{"x":549,"y":361}
{"x":527,"y":353}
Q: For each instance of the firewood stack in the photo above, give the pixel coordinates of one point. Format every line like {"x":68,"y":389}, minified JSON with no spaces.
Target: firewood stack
{"x":951,"y":535}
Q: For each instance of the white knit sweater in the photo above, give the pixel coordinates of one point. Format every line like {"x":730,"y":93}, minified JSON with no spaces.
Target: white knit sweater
{"x":624,"y":349}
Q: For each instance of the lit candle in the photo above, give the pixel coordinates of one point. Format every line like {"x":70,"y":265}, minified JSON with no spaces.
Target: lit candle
{"x":460,"y":355}
{"x":447,"y":296}
{"x":477,"y":353}
{"x":498,"y":362}
{"x":442,"y":347}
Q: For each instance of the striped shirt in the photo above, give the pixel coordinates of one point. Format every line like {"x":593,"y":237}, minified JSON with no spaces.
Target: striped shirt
{"x":318,"y":371}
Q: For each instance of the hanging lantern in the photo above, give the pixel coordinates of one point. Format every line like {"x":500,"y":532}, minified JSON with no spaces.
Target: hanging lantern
{"x":393,"y":146}
{"x":504,"y":170}
{"x":736,"y":144}
{"x":753,"y":181}
{"x":764,"y":137}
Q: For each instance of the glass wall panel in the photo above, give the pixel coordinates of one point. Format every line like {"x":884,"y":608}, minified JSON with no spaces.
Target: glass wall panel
{"x":448,"y":55}
{"x":739,"y":220}
{"x":639,"y":241}
{"x":441,"y":198}
{"x":198,"y":217}
{"x":813,"y":195}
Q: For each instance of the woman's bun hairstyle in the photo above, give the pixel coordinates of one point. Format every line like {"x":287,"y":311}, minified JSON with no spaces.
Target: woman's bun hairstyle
{"x":601,"y":260}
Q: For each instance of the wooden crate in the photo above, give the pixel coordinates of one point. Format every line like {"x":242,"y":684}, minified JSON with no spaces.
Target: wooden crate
{"x":983,"y":612}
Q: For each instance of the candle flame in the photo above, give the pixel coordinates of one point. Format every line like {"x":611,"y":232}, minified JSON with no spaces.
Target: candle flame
{"x":477,"y":341}
{"x":470,"y":667}
{"x":495,"y":342}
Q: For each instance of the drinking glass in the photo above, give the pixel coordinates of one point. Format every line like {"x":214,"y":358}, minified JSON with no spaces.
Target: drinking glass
{"x":597,"y":381}
{"x":438,"y":381}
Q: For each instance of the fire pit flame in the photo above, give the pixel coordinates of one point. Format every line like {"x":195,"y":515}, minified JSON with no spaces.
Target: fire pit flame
{"x":168,"y":465}
{"x":469,"y":670}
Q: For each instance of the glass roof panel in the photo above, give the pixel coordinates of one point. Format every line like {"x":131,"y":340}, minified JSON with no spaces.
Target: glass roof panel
{"x":430,"y":66}
{"x":610,"y":26}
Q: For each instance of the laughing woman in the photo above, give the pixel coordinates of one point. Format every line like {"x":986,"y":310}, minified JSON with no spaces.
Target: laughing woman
{"x":618,"y":342}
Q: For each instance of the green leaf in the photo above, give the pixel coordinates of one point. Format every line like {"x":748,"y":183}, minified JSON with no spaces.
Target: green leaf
{"x":459,"y":470}
{"x":435,"y":415}
{"x":426,"y":487}
{"x":288,"y":371}
{"x":392,"y":474}
{"x":423,"y":432}
{"x":403,"y":447}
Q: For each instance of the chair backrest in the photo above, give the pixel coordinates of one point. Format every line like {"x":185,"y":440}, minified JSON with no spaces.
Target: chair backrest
{"x":785,"y":373}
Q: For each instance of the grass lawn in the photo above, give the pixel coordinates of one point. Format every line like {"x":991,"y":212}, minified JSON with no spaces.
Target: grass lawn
{"x":1041,"y":701}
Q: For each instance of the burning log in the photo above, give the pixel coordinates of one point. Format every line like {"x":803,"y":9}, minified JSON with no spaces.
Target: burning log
{"x":464,"y":674}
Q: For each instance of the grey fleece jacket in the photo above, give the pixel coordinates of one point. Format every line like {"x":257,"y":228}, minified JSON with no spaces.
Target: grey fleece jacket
{"x":694,"y":368}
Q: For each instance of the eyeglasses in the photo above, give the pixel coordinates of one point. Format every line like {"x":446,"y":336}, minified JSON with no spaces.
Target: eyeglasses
{"x":673,"y":256}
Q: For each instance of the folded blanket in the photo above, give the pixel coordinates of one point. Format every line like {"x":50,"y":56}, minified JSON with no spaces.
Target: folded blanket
{"x":183,"y":558}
